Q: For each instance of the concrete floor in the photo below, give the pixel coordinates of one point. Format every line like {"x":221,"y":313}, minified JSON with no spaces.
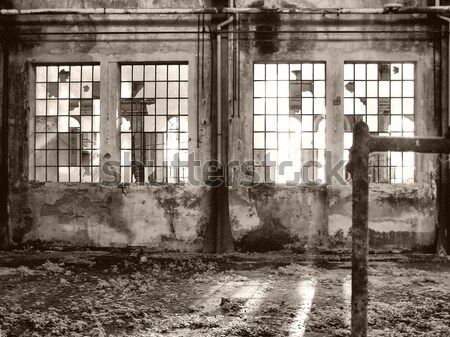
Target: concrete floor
{"x":133,"y":293}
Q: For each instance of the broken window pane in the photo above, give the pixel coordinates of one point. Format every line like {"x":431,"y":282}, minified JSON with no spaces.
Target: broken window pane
{"x":385,"y":109}
{"x":384,"y":72}
{"x":349,"y":89}
{"x":52,"y":90}
{"x":137,"y":90}
{"x":293,"y":93}
{"x":63,"y":140}
{"x":155,"y":123}
{"x":86,"y":91}
{"x":64,"y":74}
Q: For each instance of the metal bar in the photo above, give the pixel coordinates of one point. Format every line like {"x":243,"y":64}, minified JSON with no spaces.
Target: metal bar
{"x":443,"y":18}
{"x":416,"y":144}
{"x":363,"y":144}
{"x":359,"y":168}
{"x":231,"y":10}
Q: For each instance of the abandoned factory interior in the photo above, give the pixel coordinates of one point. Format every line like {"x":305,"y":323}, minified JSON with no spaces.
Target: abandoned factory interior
{"x":224,"y":168}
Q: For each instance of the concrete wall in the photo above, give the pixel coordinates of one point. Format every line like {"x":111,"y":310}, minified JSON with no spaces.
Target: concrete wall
{"x":175,"y":217}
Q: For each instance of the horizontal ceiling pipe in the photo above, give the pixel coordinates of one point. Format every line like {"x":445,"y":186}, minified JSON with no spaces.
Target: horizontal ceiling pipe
{"x":322,"y":11}
{"x":338,"y":11}
{"x":108,"y":11}
{"x":192,"y":32}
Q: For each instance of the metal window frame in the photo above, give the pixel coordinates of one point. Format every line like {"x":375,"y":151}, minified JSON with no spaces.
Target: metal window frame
{"x":376,"y":177}
{"x":91,"y":132}
{"x":313,"y":148}
{"x":178,"y":178}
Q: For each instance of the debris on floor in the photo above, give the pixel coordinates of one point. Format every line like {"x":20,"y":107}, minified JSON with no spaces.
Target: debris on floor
{"x":101,"y":294}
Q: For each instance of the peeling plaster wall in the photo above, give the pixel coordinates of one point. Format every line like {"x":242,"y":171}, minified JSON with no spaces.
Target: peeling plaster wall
{"x":166,"y":217}
{"x":174,"y":217}
{"x":400,"y":216}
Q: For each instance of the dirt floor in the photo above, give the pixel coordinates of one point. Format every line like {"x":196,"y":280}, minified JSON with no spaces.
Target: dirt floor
{"x":134,"y":293}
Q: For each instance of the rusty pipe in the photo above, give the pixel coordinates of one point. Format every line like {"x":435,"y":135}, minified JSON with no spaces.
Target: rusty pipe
{"x":230,"y":10}
{"x":219,"y":86}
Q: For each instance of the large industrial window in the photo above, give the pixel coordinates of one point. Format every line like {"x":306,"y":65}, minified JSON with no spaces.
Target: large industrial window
{"x":67,"y":123}
{"x":382,"y":95}
{"x":154,"y":123}
{"x":289,"y":122}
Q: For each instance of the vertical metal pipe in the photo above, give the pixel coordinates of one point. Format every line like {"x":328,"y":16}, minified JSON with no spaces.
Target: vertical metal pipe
{"x":219,"y":86}
{"x":358,"y":167}
{"x":4,"y":172}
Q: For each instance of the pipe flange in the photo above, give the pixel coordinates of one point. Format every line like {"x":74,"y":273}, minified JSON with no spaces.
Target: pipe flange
{"x":392,"y":7}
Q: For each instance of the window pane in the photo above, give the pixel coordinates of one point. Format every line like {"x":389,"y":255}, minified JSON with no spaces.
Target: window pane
{"x":387,"y":106}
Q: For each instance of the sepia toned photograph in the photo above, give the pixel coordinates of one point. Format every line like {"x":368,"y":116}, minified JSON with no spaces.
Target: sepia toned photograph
{"x":224,"y":168}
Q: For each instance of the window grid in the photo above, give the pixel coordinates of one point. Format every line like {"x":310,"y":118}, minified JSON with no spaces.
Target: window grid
{"x":288,"y":122}
{"x":382,"y":95}
{"x":67,"y":123}
{"x":154,"y":117}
